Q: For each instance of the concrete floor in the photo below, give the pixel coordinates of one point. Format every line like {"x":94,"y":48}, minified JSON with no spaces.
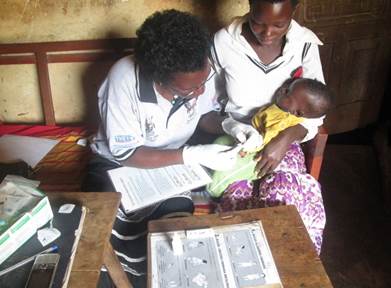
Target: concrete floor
{"x":356,"y":250}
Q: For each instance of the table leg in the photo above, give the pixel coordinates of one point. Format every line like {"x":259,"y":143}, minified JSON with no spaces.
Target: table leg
{"x":114,"y":268}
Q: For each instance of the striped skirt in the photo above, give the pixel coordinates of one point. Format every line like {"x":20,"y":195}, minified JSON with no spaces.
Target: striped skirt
{"x":129,"y":234}
{"x":129,"y":237}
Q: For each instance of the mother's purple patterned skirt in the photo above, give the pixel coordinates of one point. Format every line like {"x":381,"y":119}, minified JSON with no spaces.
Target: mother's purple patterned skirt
{"x":289,"y":184}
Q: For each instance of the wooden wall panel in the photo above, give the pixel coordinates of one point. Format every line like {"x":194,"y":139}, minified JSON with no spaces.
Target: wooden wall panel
{"x":356,"y":55}
{"x":332,"y":12}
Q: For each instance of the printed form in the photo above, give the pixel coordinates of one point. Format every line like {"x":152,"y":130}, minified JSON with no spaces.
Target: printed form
{"x":229,"y":256}
{"x":143,"y":187}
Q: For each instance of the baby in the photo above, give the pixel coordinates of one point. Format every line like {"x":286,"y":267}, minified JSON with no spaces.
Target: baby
{"x":295,"y":100}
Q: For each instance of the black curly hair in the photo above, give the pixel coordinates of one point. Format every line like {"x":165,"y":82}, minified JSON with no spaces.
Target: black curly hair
{"x":294,"y":2}
{"x":320,"y":93}
{"x":169,"y":42}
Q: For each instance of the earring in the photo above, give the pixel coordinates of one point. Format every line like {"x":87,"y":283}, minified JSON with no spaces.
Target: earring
{"x":174,"y":100}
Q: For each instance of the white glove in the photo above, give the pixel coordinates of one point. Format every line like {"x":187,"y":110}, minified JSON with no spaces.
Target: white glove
{"x":244,"y":133}
{"x":214,"y":156}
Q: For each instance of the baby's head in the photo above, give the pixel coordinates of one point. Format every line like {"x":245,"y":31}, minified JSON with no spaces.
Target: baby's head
{"x":304,"y":97}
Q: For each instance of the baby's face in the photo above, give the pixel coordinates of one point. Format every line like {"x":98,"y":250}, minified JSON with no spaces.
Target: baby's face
{"x":298,"y":102}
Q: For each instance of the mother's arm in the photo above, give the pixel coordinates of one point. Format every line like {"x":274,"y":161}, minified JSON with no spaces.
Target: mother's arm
{"x":271,"y":155}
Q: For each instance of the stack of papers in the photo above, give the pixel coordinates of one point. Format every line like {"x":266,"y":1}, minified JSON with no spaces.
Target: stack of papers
{"x":23,"y":209}
{"x":143,"y":187}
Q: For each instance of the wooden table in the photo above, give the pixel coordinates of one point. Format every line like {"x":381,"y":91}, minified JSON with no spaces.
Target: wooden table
{"x":295,"y":256}
{"x":94,"y":248}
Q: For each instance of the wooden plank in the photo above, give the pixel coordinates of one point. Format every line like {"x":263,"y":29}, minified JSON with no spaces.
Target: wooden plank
{"x":313,"y":151}
{"x":85,"y":279}
{"x":101,"y":212}
{"x":85,"y":57}
{"x":65,"y":58}
{"x":107,"y":44}
{"x":43,"y":53}
{"x":115,"y":269}
{"x":102,"y":209}
{"x":17,"y":59}
{"x":44,"y":88}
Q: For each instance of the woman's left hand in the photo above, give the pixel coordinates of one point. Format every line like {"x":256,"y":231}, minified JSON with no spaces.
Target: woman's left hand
{"x":272,"y":154}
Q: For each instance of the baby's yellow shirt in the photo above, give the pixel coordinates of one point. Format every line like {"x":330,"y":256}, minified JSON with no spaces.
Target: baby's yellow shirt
{"x":271,"y":121}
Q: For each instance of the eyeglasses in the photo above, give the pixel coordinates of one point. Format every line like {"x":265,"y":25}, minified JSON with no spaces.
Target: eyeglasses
{"x":190,"y":93}
{"x":182,"y":97}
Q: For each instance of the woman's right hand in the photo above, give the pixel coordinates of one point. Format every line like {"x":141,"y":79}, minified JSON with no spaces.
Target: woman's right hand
{"x":272,"y":154}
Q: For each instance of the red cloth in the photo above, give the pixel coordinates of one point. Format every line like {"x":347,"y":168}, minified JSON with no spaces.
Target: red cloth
{"x":41,"y":130}
{"x":297,"y":73}
{"x":62,"y":169}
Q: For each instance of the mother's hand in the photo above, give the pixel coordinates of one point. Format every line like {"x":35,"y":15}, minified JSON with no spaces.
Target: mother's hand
{"x":272,"y":154}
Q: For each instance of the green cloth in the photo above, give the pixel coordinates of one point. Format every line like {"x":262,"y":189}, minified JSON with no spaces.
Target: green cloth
{"x":244,"y":169}
{"x":269,"y":122}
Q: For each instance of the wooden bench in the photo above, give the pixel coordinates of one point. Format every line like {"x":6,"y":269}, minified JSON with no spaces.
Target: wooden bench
{"x":46,"y":53}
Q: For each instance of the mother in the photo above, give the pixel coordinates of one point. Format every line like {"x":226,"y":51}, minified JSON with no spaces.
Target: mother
{"x":256,"y":53}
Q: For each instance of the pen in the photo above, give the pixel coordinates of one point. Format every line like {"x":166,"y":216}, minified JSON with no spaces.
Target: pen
{"x":52,"y":248}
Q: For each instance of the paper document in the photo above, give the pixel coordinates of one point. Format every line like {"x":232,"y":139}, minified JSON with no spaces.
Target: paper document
{"x":29,"y":149}
{"x":143,"y":187}
{"x":231,"y":256}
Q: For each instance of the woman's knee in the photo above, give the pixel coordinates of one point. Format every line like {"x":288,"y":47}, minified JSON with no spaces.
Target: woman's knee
{"x":174,"y":207}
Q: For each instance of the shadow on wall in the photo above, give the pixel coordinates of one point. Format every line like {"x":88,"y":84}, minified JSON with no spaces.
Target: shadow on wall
{"x":208,"y":13}
{"x":96,"y":71}
{"x":215,"y":15}
{"x":92,"y":77}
